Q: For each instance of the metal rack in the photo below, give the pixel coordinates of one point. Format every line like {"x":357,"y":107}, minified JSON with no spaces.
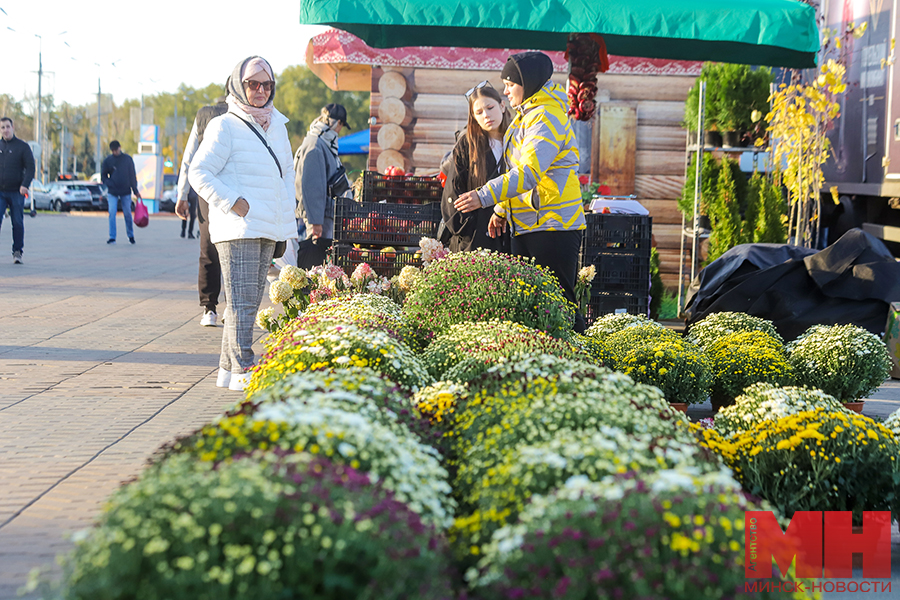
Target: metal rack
{"x":695,"y":232}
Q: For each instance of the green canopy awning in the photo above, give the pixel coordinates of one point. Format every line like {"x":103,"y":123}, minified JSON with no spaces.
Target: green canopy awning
{"x":779,"y":33}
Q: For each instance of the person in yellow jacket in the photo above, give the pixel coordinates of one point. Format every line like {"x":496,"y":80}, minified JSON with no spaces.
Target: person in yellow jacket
{"x":539,"y":196}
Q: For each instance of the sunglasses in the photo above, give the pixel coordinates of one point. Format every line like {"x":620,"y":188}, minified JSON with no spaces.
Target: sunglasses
{"x":255,"y":85}
{"x":484,"y":83}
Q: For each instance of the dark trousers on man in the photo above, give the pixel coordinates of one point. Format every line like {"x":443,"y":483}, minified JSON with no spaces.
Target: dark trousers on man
{"x":209,"y":277}
{"x":557,"y":251}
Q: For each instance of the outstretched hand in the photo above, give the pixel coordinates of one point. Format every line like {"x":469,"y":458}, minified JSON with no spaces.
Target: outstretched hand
{"x":467,"y":202}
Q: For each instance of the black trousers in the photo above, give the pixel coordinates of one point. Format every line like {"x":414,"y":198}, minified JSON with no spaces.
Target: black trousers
{"x":209,"y":276}
{"x":192,"y":213}
{"x":557,"y":251}
{"x":313,"y":253}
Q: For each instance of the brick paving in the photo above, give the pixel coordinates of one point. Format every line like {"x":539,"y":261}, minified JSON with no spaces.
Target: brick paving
{"x":101,"y":362}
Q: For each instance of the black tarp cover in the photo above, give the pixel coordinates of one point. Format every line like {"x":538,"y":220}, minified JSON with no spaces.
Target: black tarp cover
{"x":851,"y":281}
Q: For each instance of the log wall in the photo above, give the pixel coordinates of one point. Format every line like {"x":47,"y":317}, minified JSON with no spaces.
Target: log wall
{"x":427,"y":107}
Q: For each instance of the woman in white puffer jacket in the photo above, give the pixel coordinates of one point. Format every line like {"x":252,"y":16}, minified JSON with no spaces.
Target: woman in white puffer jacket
{"x":244,"y":170}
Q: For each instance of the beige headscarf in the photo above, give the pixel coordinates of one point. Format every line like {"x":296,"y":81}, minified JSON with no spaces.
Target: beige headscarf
{"x":237,"y":97}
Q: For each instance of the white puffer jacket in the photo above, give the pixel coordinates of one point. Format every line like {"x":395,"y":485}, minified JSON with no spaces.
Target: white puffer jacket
{"x":233,"y":163}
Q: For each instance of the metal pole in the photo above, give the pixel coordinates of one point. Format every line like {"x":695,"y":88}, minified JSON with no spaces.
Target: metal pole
{"x":175,"y":143}
{"x":698,"y":183}
{"x":62,"y":150}
{"x":38,"y":132}
{"x":97,"y":157}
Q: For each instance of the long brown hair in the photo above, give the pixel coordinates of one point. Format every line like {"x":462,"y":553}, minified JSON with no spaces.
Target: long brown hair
{"x":479,"y":139}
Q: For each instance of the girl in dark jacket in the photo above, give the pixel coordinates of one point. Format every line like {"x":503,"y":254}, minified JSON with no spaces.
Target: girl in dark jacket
{"x":476,"y":159}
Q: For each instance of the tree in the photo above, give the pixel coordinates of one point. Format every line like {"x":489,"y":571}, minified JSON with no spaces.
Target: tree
{"x":724,"y":213}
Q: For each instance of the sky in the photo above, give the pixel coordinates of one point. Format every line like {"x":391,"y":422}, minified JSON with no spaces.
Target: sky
{"x":141,"y":46}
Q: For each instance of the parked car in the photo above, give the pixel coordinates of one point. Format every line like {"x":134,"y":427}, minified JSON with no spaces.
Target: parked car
{"x":62,"y":196}
{"x":99,"y":194}
{"x":170,"y":189}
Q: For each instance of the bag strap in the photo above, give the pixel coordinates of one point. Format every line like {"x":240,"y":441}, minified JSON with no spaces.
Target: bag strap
{"x":265,"y":143}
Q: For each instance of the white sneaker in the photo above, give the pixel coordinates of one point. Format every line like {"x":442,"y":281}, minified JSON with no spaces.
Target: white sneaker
{"x":239,"y":381}
{"x":223,"y":379}
{"x":208,"y":319}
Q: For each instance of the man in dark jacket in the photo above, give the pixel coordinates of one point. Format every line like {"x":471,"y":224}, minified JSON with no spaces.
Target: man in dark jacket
{"x":117,"y":174}
{"x":16,"y":173}
{"x":209,"y":278}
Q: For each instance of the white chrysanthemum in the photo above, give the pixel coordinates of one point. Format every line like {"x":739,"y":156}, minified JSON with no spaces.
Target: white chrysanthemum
{"x":409,"y":276}
{"x":264,"y":316}
{"x":293,"y":276}
{"x":893,"y":423}
{"x":280,"y":291}
{"x":387,"y":453}
{"x":767,"y":402}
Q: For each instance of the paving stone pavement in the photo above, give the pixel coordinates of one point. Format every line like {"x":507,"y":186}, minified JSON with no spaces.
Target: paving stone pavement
{"x":102,"y":361}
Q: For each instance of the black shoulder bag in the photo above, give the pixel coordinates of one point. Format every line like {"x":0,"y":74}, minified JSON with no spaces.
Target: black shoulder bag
{"x":280,"y":247}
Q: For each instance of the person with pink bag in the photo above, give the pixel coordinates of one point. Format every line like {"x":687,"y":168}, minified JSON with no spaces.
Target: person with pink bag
{"x":117,"y":174}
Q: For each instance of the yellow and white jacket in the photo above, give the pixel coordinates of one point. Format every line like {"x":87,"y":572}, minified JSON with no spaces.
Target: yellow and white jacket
{"x":540,"y":190}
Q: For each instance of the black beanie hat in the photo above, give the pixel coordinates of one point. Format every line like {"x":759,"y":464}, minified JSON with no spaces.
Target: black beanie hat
{"x":531,"y":70}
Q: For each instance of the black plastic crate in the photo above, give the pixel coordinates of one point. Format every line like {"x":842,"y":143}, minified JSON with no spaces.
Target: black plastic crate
{"x":604,"y":304}
{"x":619,"y":271}
{"x":411,"y":190}
{"x":618,"y":232}
{"x":384,"y":223}
{"x":386,"y":264}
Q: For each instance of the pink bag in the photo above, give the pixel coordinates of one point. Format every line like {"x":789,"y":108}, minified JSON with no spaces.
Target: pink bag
{"x":141,"y":215}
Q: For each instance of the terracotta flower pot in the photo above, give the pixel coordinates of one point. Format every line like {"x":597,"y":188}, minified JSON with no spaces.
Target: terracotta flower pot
{"x":679,"y":406}
{"x":855,"y":406}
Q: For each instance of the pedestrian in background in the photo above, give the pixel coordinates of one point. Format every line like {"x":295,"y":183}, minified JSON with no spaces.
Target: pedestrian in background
{"x":192,"y":211}
{"x":539,"y":196}
{"x":320,"y":178}
{"x":16,"y":173}
{"x":209,"y":274}
{"x":117,"y":174}
{"x":243,"y":168}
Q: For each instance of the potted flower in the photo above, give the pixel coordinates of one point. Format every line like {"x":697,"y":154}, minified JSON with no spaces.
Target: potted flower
{"x":492,"y":339}
{"x":267,"y":526}
{"x":816,"y":460}
{"x":475,"y":286}
{"x":767,"y":402}
{"x":678,"y":368}
{"x":845,"y":361}
{"x":671,"y":534}
{"x":717,"y":325}
{"x":613,"y":322}
{"x":509,"y":480}
{"x":742,"y":359}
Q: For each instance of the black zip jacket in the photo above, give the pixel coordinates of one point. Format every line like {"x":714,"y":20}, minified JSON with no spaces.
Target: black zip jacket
{"x":16,"y":165}
{"x":117,"y":174}
{"x":469,"y":230}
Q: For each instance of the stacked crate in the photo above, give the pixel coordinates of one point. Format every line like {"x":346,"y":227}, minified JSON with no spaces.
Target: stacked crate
{"x":384,"y":228}
{"x":619,"y":248}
